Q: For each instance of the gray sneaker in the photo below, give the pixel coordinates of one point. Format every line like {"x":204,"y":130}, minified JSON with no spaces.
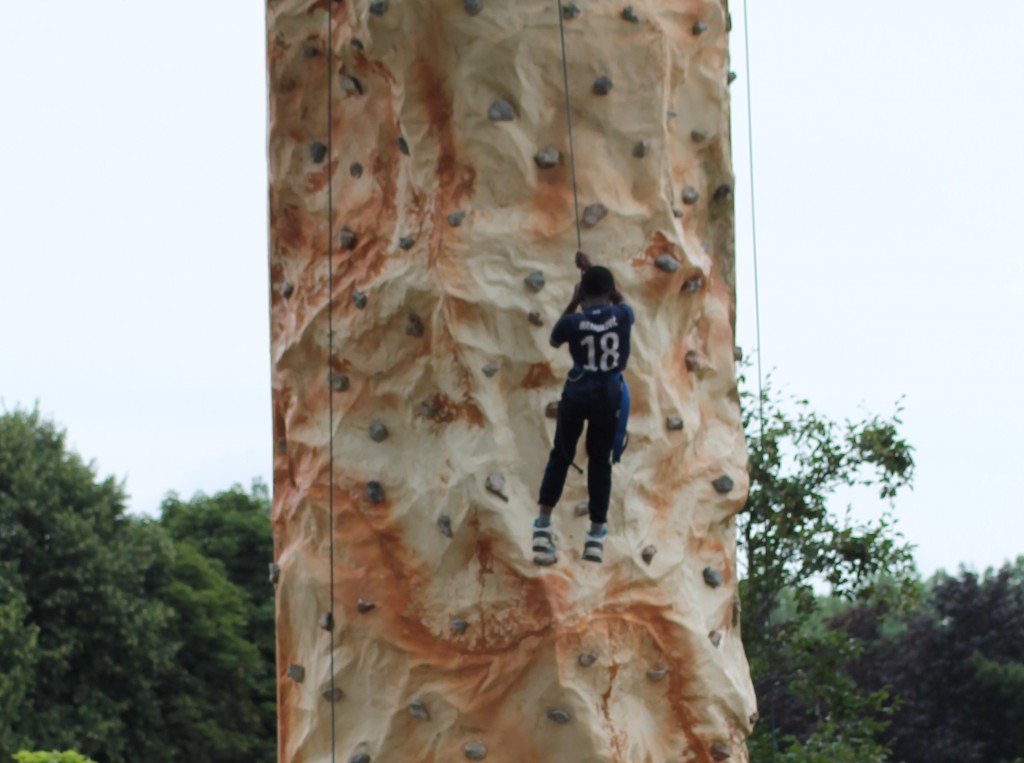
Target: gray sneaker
{"x":544,"y":552}
{"x":593,"y":548}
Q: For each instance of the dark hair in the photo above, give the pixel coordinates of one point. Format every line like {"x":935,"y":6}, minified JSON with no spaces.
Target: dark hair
{"x":597,"y":282}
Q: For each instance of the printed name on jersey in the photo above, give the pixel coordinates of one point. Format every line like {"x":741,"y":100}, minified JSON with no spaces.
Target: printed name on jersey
{"x":599,"y":327}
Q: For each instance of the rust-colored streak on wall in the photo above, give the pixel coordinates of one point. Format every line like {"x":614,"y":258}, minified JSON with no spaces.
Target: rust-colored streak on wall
{"x":439,"y":214}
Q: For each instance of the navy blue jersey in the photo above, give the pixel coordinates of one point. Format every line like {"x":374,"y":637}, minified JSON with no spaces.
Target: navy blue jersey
{"x":598,"y":338}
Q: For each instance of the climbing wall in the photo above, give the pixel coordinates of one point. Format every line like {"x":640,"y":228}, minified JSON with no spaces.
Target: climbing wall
{"x":441,"y":206}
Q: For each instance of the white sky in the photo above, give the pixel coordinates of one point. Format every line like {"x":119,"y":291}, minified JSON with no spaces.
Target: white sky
{"x":889,"y":144}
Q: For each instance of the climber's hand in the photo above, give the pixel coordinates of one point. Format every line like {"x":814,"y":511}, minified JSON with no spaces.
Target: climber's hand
{"x":582,"y":260}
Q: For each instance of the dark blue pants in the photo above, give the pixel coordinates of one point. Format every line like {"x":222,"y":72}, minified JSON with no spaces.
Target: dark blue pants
{"x":597,"y":406}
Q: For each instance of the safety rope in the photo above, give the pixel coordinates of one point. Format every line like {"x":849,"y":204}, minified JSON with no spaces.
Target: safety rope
{"x":568,"y":119}
{"x":330,"y":345}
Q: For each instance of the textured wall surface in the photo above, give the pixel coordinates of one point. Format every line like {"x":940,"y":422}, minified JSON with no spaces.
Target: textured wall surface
{"x":448,"y":642}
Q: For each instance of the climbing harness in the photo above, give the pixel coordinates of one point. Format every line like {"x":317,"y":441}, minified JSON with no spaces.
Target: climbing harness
{"x":568,"y":119}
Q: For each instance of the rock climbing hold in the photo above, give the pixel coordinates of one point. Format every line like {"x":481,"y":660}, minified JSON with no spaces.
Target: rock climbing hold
{"x":406,"y":242}
{"x":737,"y":354}
{"x":699,"y":28}
{"x":593,"y":214}
{"x":333,"y":695}
{"x":715,"y":637}
{"x":692,"y":285}
{"x":535,"y":280}
{"x":282,"y":445}
{"x":692,"y":361}
{"x":535,"y":318}
{"x":351,"y":85}
{"x":501,"y":111}
{"x":473,"y":7}
{"x":667,"y":262}
{"x":375,"y":491}
{"x":459,"y":625}
{"x":673,"y":423}
{"x":656,"y":674}
{"x":698,"y":137}
{"x":365,"y":606}
{"x":571,"y":11}
{"x":677,"y":212}
{"x":581,"y":509}
{"x":495,"y":483}
{"x":690,"y":195}
{"x":670,"y":115}
{"x":587,"y":659}
{"x":551,"y":410}
{"x":317,"y":151}
{"x":347,"y":239}
{"x":311,"y":51}
{"x":720,"y":751}
{"x":338,"y":382}
{"x":640,"y":148}
{"x":628,"y":14}
{"x":475,"y":751}
{"x":648,"y":554}
{"x":286,"y":289}
{"x":455,"y":218}
{"x":602,"y":85}
{"x":713,"y":577}
{"x":547,"y":158}
{"x":357,"y":44}
{"x":275,"y":573}
{"x":355,"y":170}
{"x":723,"y":484}
{"x":444,"y":524}
{"x":379,"y":7}
{"x":723,"y":192}
{"x":731,"y":78}
{"x":754,"y":718}
{"x":491,"y":369}
{"x":559,"y":715}
{"x":359,"y":300}
{"x":361,"y":757}
{"x":403,"y":146}
{"x":297,"y":673}
{"x":413,"y":326}
{"x":327,"y":621}
{"x":419,"y":710}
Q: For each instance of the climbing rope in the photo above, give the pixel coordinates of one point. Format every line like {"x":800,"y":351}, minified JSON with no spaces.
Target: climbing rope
{"x":568,"y":120}
{"x":330,"y":346}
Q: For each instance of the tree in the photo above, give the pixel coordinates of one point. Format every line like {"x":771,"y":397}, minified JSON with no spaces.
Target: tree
{"x":18,"y":655}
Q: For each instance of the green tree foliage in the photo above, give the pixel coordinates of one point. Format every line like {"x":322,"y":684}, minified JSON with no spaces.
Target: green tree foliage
{"x":18,"y":655}
{"x":51,"y":757}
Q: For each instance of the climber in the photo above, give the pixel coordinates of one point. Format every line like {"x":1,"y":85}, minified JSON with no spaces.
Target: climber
{"x":594,"y":393}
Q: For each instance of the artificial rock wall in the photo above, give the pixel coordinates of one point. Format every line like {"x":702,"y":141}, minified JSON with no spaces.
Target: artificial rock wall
{"x":452,"y":256}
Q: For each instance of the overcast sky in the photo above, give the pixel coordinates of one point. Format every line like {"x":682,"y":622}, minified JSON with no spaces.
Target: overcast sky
{"x":888,"y":157}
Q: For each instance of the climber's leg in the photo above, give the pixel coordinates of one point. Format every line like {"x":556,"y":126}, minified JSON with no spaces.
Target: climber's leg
{"x":567,"y":434}
{"x":600,"y":438}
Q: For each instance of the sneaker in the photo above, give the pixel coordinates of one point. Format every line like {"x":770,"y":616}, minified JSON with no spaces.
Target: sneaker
{"x":543,"y":539}
{"x":593,"y":548}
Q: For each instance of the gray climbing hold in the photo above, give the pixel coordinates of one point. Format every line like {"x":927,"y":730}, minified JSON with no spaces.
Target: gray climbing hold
{"x":444,"y":524}
{"x":379,"y":7}
{"x":535,"y":280}
{"x":535,"y":318}
{"x":378,"y":432}
{"x":311,"y":51}
{"x":656,"y":674}
{"x":491,"y":369}
{"x":317,"y":151}
{"x":587,"y":659}
{"x":581,"y":509}
{"x":754,"y":718}
{"x":698,"y":137}
{"x":699,"y":28}
{"x":375,"y":491}
{"x":648,"y":554}
{"x":715,"y":637}
{"x":501,"y":111}
{"x":551,"y":410}
{"x":355,"y":170}
{"x":359,"y":300}
{"x":602,"y":85}
{"x":690,"y":195}
{"x":333,"y":695}
{"x":347,"y":239}
{"x":406,"y":242}
{"x":677,"y":212}
{"x":594,"y":213}
{"x":737,"y":354}
{"x":357,"y":44}
{"x":723,"y":484}
{"x":692,"y":361}
{"x":731,"y":78}
{"x":286,"y":289}
{"x":413,"y":326}
{"x":351,"y":85}
{"x":275,"y":573}
{"x":713,"y":577}
{"x":455,"y":218}
{"x":667,"y":262}
{"x":365,"y":606}
{"x":673,"y":423}
{"x":559,"y":715}
{"x":640,"y":149}
{"x":495,"y":483}
{"x":338,"y":382}
{"x":475,"y":751}
{"x":693,"y":285}
{"x":547,"y":158}
{"x":297,"y":673}
{"x":403,"y":146}
{"x":327,"y":621}
{"x":571,"y":11}
{"x":459,"y":625}
{"x":723,"y":192}
{"x":628,"y":14}
{"x":473,"y":7}
{"x":418,"y":710}
{"x":282,"y":445}
{"x":361,"y":757}
{"x":720,"y":751}
{"x":670,"y":115}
